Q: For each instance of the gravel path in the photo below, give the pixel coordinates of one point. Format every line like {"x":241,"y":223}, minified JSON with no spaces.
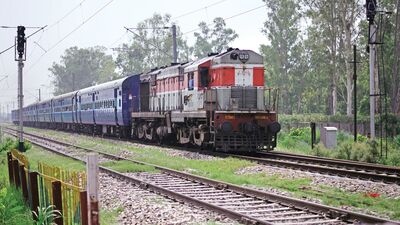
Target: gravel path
{"x":348,"y":184}
{"x":144,"y":207}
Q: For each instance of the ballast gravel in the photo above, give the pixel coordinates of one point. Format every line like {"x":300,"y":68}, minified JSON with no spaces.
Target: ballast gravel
{"x":143,"y":207}
{"x":343,"y":183}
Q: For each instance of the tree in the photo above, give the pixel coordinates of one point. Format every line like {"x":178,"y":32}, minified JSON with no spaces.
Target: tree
{"x":82,"y":67}
{"x":349,"y":11}
{"x":151,"y":46}
{"x":213,"y":40}
{"x":323,"y":44}
{"x":284,"y":59}
{"x":335,"y":23}
{"x":395,"y":93}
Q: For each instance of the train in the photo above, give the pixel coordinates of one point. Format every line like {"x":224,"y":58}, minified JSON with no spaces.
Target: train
{"x":217,"y":102}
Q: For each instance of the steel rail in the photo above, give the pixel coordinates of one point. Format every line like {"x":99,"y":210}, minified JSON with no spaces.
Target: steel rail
{"x":353,"y":172}
{"x":316,"y":208}
{"x":335,"y":162}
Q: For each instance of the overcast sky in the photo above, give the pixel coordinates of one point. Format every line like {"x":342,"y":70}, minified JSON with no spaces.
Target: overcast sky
{"x":105,"y":29}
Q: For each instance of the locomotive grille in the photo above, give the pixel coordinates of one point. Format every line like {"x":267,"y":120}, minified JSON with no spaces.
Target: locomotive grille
{"x":246,"y":97}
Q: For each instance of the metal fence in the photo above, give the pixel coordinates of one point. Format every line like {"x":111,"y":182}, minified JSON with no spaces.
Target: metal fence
{"x":50,"y":185}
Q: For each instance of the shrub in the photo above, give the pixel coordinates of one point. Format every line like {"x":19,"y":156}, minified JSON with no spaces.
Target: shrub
{"x":12,"y":208}
{"x":320,"y":150}
{"x":396,"y":141}
{"x":344,"y":150}
{"x":46,"y":216}
{"x":360,"y":151}
{"x":362,"y":138}
{"x":301,"y":134}
{"x":9,"y":144}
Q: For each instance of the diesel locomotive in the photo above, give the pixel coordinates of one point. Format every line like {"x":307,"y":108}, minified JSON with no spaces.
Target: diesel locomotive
{"x":217,"y":102}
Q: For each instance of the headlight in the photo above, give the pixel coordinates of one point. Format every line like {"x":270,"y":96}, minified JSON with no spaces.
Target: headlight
{"x":274,"y":127}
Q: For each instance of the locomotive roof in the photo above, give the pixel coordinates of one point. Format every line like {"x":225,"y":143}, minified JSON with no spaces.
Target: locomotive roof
{"x":195,"y":65}
{"x":171,"y":70}
{"x":228,"y":57}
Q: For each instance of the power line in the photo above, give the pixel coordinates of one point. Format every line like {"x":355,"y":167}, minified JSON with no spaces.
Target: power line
{"x":227,"y":18}
{"x":117,"y":40}
{"x":17,"y":27}
{"x":66,"y":15}
{"x":166,"y":53}
{"x":49,"y":27}
{"x":80,"y":25}
{"x":199,"y":9}
{"x":71,"y":32}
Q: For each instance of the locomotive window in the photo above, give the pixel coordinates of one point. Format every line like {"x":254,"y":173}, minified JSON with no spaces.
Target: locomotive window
{"x":204,"y":76}
{"x":119,"y":102}
{"x":191,"y":81}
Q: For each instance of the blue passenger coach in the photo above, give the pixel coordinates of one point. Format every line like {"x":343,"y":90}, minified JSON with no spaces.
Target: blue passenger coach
{"x":101,"y":109}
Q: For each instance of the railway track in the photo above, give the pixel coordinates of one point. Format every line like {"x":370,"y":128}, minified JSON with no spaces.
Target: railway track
{"x":246,"y":205}
{"x":345,"y":168}
{"x":337,"y":167}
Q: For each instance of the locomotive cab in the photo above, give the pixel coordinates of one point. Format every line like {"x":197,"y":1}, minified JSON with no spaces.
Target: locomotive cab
{"x":235,"y":102}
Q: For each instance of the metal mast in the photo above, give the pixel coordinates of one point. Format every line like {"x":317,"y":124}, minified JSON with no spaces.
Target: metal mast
{"x":371,"y":11}
{"x":174,"y":46}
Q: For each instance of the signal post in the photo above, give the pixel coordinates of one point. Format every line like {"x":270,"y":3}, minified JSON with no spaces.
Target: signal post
{"x":21,"y":52}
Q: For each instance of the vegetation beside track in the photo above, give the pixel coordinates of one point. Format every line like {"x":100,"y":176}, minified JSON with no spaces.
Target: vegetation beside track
{"x":298,"y":140}
{"x":17,"y":212}
{"x":225,"y":170}
{"x":13,"y":210}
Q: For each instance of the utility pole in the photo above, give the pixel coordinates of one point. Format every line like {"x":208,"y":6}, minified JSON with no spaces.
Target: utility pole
{"x":20,"y":49}
{"x":175,"y":50}
{"x":371,"y":11}
{"x":355,"y":90}
{"x":40,"y":98}
{"x":8,"y":114}
{"x":73,"y":81}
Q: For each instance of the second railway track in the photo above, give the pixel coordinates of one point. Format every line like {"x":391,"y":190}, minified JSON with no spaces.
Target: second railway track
{"x":243,"y":204}
{"x":344,"y":168}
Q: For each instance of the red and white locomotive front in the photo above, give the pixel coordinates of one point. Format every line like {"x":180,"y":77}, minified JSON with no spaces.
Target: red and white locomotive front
{"x":229,"y":87}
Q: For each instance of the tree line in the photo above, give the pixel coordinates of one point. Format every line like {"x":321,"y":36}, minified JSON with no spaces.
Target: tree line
{"x":307,"y":56}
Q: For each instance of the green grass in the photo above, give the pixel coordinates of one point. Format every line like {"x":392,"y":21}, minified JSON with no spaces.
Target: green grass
{"x":13,"y":210}
{"x":36,"y":154}
{"x":124,"y":166}
{"x":110,"y":217}
{"x":225,"y":170}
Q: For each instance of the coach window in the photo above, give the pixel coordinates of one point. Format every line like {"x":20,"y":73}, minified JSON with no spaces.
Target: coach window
{"x":119,"y":102}
{"x":120,"y":93}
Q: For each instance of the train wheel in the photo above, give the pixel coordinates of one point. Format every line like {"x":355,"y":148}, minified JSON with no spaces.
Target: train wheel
{"x":140,"y":132}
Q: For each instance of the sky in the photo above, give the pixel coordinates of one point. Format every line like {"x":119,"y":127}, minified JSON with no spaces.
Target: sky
{"x":87,"y":23}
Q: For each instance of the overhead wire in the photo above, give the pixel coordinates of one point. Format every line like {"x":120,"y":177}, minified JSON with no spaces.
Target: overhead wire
{"x":166,"y":53}
{"x":228,"y":18}
{"x":70,"y":33}
{"x":197,"y":10}
{"x":49,"y":27}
